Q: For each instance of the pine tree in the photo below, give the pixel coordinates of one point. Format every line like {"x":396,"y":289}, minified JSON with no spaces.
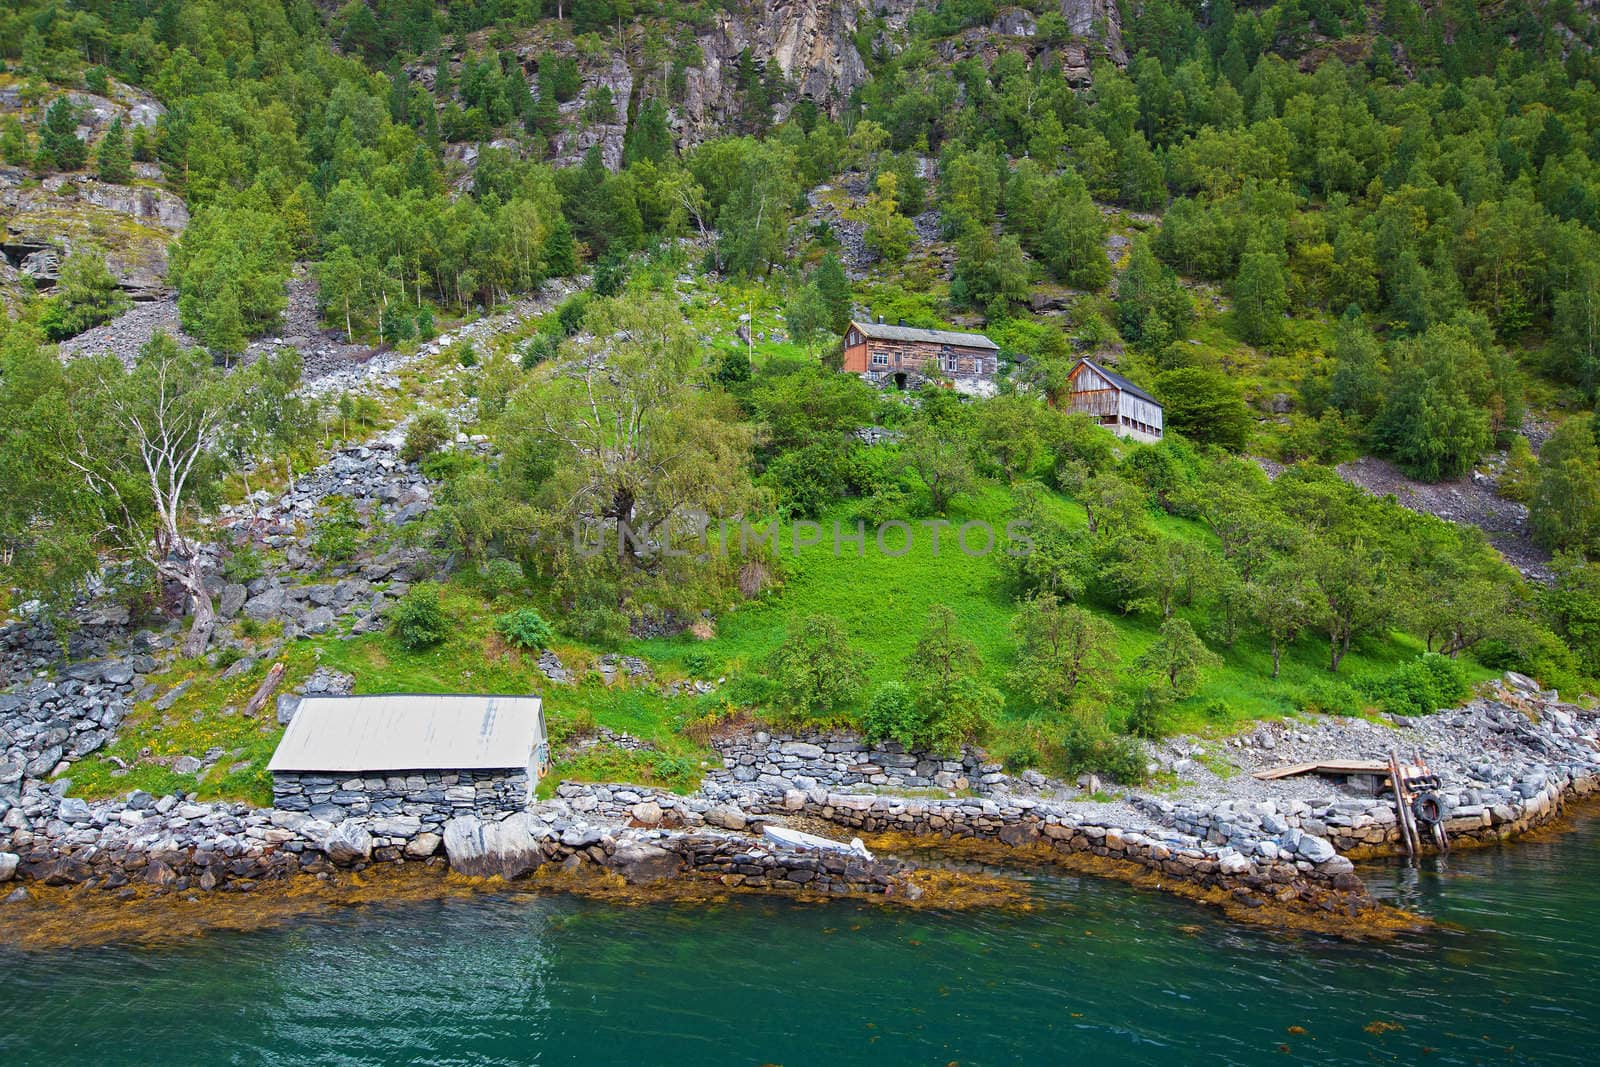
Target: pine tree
{"x":58,"y":139}
{"x":560,"y":257}
{"x":112,"y":158}
{"x":830,"y":280}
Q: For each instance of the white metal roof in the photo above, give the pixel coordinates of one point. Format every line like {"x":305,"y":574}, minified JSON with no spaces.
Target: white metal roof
{"x":410,"y":732}
{"x":885,"y":332}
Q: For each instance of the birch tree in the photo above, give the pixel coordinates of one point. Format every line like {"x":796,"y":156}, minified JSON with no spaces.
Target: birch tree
{"x":147,"y":448}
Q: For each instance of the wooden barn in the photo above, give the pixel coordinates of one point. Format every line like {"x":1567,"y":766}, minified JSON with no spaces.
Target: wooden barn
{"x":905,"y":356}
{"x":1113,"y":401}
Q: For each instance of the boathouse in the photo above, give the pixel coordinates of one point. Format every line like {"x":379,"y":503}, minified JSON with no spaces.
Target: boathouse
{"x":1113,"y":401}
{"x":906,"y":356}
{"x":418,"y":755}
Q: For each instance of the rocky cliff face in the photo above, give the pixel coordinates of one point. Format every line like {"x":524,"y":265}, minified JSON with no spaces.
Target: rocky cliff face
{"x":41,"y":222}
{"x":811,"y":41}
{"x":814,"y":43}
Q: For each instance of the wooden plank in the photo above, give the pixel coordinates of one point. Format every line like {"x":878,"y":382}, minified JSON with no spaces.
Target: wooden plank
{"x":1286,"y":771}
{"x":1347,"y":766}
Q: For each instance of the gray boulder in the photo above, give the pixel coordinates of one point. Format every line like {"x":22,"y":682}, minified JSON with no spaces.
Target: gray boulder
{"x":348,"y":843}
{"x":507,"y":848}
{"x":74,"y":809}
{"x":640,"y":863}
{"x":8,"y":865}
{"x":232,"y":599}
{"x":1316,"y":849}
{"x":423,"y":845}
{"x":317,"y":621}
{"x":288,"y":704}
{"x":265,"y":605}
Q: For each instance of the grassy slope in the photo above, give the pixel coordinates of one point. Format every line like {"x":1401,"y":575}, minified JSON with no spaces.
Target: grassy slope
{"x":881,"y":600}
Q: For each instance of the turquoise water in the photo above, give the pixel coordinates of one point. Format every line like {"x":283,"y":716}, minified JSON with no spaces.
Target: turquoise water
{"x":1100,"y":972}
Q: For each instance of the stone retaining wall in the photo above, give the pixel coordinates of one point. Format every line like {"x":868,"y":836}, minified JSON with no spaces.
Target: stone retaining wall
{"x":774,"y":763}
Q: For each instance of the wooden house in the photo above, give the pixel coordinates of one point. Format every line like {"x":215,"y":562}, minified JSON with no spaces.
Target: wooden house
{"x":1113,"y":401}
{"x":905,"y":356}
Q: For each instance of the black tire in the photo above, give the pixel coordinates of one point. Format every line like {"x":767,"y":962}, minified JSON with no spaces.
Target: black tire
{"x":1428,"y":809}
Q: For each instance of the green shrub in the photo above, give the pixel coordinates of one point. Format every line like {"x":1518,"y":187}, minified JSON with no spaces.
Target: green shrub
{"x":1087,"y":745}
{"x":1331,"y":698}
{"x":339,"y":532}
{"x":417,"y":620}
{"x":1421,"y":687}
{"x":443,"y":466}
{"x":1150,"y":717}
{"x":498,"y":577}
{"x":891,"y":713}
{"x":701,"y":663}
{"x":540,"y":347}
{"x":524,"y":628}
{"x":244,"y":564}
{"x":428,"y":432}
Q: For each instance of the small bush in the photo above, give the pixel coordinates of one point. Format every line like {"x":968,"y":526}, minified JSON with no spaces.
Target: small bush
{"x":537,"y":349}
{"x":700,"y":664}
{"x":1331,"y":698}
{"x":428,"y":432}
{"x":444,"y":466}
{"x":1151,"y":716}
{"x":227,"y":657}
{"x":891,"y":713}
{"x":244,"y":564}
{"x":417,"y":620}
{"x":570,"y":313}
{"x":498,"y":577}
{"x":1087,"y":745}
{"x":339,"y":533}
{"x":524,"y":628}
{"x":1421,"y":687}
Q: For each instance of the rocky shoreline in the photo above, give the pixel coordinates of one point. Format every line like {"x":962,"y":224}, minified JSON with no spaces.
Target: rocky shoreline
{"x":1511,"y":762}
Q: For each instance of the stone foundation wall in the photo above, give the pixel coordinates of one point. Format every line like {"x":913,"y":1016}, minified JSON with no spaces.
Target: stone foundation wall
{"x":428,"y":797}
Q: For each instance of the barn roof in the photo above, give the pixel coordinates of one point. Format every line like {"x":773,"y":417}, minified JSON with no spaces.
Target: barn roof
{"x":934,"y":337}
{"x":1116,"y":379}
{"x":410,"y":732}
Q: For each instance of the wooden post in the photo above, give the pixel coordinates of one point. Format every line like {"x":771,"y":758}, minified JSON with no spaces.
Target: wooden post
{"x":264,"y":690}
{"x":1402,"y":808}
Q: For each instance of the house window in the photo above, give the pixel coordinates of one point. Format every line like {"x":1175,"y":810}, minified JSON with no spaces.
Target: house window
{"x":854,"y":338}
{"x":879,"y":359}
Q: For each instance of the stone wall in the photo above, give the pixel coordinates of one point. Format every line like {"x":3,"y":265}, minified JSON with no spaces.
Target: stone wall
{"x":763,"y":762}
{"x":428,"y":797}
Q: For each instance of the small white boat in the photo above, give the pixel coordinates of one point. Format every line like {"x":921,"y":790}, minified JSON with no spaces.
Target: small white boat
{"x":799,"y":841}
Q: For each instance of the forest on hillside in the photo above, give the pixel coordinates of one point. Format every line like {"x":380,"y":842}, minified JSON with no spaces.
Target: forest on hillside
{"x":1315,"y":230}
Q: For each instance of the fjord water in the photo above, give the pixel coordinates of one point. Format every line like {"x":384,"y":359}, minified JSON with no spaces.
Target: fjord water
{"x":1098,"y":973}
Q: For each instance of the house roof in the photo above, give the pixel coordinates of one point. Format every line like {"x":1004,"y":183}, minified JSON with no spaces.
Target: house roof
{"x":936,"y":337}
{"x":1115,"y":379}
{"x":410,"y":732}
